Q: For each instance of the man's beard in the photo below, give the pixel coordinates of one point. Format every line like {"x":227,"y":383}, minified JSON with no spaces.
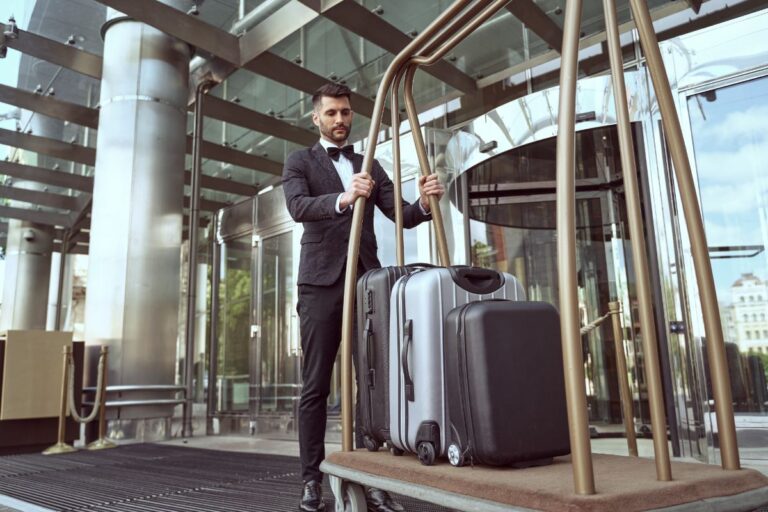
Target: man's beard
{"x":332,"y":135}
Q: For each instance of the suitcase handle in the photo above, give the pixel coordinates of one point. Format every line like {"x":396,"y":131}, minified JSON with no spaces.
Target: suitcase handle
{"x":370,"y":355}
{"x":481,"y":281}
{"x":407,"y":338}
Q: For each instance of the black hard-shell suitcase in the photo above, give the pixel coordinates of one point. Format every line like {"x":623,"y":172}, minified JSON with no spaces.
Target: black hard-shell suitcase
{"x":505,"y":389}
{"x":372,"y":350}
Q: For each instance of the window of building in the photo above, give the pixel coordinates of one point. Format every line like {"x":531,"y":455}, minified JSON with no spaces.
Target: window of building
{"x":746,"y":318}
{"x":749,"y":334}
{"x":741,"y":299}
{"x":762,"y":317}
{"x":751,"y":298}
{"x":765,"y":333}
{"x":754,"y":317}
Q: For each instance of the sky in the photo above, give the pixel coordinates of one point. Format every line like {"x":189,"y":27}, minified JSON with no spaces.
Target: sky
{"x":730,"y":137}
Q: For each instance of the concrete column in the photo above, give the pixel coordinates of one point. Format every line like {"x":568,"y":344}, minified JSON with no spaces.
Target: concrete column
{"x":132,"y":302}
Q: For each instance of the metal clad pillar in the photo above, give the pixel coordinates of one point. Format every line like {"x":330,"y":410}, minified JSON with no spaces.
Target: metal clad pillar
{"x":132,"y":304}
{"x":29,"y":246}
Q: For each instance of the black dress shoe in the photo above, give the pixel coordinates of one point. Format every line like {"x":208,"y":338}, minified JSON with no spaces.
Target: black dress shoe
{"x":312,"y":497}
{"x":381,"y":501}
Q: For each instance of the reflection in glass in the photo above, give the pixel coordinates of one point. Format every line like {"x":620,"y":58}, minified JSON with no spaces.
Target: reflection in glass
{"x":233,"y":324}
{"x":280,"y":357}
{"x":730,"y":138}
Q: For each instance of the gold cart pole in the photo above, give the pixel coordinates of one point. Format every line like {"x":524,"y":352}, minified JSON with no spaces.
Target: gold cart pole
{"x":573,"y":360}
{"x":639,"y":252}
{"x":102,"y":442}
{"x":445,"y":32}
{"x":621,"y":369}
{"x":396,"y":171}
{"x":353,"y":249}
{"x":682,"y":169}
{"x":61,"y":446}
{"x":421,"y":152}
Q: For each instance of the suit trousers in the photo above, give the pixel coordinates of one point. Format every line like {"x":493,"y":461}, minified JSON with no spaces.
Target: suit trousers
{"x":320,"y":311}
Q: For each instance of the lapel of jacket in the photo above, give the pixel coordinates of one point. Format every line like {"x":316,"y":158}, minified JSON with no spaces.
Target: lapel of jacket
{"x":357,"y":163}
{"x":325,"y":163}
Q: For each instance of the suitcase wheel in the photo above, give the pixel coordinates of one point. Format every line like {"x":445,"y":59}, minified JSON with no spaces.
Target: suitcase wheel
{"x":426,"y":453}
{"x":455,"y":456}
{"x":397,"y":452}
{"x":371,"y":444}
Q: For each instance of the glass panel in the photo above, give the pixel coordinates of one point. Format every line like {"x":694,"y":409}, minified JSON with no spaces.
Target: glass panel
{"x":730,"y":139}
{"x":481,"y":54}
{"x":385,"y":231}
{"x":280,"y":356}
{"x":233,"y":324}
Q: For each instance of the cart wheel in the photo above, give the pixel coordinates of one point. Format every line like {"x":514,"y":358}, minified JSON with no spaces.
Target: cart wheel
{"x":371,"y":444}
{"x":455,"y":456}
{"x":397,"y":452}
{"x":426,"y":452}
{"x":354,"y":498}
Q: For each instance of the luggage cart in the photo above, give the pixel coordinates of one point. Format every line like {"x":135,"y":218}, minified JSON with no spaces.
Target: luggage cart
{"x":695,"y":486}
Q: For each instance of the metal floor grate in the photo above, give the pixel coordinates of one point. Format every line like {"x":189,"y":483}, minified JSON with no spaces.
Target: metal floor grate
{"x":152,"y":477}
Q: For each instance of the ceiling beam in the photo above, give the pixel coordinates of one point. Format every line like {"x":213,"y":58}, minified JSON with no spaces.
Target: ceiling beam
{"x":181,"y":25}
{"x":534,"y":18}
{"x":232,"y":156}
{"x":207,"y":204}
{"x":47,"y":218}
{"x":223,"y":185}
{"x":217,"y":108}
{"x":79,"y":248}
{"x":50,"y":106}
{"x":370,"y":26}
{"x":288,"y":73}
{"x":279,"y":25}
{"x":56,"y":53}
{"x":50,"y":147}
{"x":47,"y":176}
{"x":85,"y":183}
{"x":39,"y":198}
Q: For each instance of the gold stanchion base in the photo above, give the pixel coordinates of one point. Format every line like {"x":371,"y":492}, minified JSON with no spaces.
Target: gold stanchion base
{"x":59,"y":448}
{"x":101,"y":444}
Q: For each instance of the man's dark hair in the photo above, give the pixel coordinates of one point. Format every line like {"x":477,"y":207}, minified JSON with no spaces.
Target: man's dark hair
{"x":332,"y":90}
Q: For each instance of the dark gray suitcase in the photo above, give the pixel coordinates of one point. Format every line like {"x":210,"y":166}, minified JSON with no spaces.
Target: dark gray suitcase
{"x":504,"y":385}
{"x":420,"y":303}
{"x":372,"y":350}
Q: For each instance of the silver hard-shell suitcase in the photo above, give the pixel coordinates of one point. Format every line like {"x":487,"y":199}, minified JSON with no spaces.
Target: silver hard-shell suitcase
{"x":419,"y":304}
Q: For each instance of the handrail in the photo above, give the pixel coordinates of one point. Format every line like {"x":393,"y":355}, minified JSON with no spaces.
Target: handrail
{"x":149,"y":387}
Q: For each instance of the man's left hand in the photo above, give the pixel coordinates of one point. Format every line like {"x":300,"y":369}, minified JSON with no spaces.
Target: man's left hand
{"x":429,"y":186}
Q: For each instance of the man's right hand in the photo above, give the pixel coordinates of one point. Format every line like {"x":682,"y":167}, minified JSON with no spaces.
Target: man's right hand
{"x":361,"y":186}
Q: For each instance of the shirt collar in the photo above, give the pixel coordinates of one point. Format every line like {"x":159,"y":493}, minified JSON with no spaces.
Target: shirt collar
{"x":327,"y":144}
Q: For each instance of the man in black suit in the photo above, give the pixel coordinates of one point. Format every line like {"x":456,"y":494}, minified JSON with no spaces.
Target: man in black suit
{"x":321,"y":185}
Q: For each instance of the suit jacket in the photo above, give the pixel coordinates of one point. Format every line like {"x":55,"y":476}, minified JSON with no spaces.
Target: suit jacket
{"x":311,"y":186}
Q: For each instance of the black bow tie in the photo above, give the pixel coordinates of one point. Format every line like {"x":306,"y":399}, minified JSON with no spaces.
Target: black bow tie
{"x":334,"y":152}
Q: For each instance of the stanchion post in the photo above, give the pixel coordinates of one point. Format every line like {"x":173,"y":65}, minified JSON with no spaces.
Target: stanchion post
{"x":61,"y":446}
{"x":621,"y":368}
{"x":102,"y":442}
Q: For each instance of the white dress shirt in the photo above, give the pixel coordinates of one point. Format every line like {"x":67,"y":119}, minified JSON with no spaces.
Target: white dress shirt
{"x":344,"y":168}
